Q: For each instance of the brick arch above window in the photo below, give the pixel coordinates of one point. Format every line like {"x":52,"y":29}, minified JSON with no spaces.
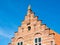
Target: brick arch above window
{"x":20,"y":39}
{"x":37,"y":34}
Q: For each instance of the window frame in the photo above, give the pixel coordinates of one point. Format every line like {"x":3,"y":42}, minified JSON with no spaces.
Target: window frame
{"x":37,"y":41}
{"x":20,"y":43}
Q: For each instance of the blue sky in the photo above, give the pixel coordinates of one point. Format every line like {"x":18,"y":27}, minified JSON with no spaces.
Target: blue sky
{"x":12,"y":13}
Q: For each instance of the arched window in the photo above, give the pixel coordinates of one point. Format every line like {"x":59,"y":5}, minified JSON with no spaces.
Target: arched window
{"x":20,"y":43}
{"x":37,"y":41}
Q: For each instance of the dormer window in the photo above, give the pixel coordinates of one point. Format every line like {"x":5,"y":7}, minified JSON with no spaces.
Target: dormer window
{"x":29,"y":28}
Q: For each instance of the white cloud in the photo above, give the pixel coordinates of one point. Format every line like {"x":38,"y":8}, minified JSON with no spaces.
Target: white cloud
{"x":4,"y":34}
{"x":8,"y":31}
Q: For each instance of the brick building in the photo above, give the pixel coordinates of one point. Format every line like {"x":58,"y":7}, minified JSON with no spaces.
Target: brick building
{"x":33,"y":32}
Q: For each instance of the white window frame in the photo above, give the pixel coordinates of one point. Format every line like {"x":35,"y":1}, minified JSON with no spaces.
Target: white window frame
{"x":37,"y":41}
{"x":20,"y":43}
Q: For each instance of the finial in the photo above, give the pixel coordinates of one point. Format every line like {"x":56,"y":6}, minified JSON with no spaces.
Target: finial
{"x":29,"y":10}
{"x":29,"y":7}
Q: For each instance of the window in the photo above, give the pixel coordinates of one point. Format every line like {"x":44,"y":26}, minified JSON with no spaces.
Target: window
{"x":51,"y":42}
{"x":37,"y":41}
{"x":29,"y":28}
{"x":20,"y":43}
{"x":35,"y":44}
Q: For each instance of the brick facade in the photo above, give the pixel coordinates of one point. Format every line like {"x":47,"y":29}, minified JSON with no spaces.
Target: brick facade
{"x":32,"y":28}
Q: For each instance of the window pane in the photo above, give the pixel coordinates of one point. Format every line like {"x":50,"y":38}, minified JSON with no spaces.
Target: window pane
{"x":39,"y":43}
{"x":18,"y":44}
{"x":39,"y":39}
{"x":35,"y":40}
{"x":35,"y":44}
{"x":21,"y":43}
